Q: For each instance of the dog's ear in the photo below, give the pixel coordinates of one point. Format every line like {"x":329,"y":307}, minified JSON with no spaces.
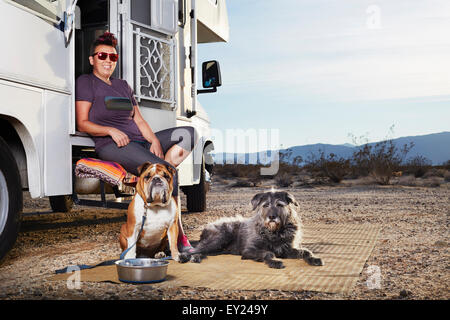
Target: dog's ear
{"x":290,"y":199}
{"x":257,"y":199}
{"x":143,"y":167}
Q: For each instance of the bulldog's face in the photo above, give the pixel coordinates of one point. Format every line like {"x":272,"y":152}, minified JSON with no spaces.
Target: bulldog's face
{"x":156,"y":183}
{"x":274,"y":208}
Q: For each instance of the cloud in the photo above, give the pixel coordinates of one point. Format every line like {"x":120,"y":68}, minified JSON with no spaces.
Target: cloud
{"x":315,"y":70}
{"x":328,"y":52}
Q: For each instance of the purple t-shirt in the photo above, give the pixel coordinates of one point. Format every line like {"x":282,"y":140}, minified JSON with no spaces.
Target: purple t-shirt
{"x":112,"y":106}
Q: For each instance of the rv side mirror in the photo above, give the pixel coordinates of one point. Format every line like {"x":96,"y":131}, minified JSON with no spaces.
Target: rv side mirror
{"x":211,"y":74}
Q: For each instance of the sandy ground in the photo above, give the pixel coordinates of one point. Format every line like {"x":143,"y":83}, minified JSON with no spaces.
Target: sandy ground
{"x":411,"y":255}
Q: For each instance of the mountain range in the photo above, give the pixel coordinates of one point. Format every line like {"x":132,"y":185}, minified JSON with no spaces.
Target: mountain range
{"x":435,"y":147}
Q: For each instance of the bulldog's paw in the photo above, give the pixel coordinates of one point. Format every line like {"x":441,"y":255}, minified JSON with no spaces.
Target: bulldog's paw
{"x":160,"y":255}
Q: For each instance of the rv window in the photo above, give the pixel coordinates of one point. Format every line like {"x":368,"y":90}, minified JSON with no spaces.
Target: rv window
{"x":140,"y":11}
{"x":50,"y":10}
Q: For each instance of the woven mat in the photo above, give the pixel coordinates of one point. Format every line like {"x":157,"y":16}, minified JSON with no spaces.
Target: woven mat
{"x":343,"y":248}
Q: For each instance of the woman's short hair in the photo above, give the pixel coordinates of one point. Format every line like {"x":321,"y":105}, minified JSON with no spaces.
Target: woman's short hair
{"x":106,"y":38}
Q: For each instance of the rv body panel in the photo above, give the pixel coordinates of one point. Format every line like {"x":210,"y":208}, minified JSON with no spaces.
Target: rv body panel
{"x":34,"y":113}
{"x":33,"y":51}
{"x":36,"y":69}
{"x":22,"y":107}
{"x":57,"y":148}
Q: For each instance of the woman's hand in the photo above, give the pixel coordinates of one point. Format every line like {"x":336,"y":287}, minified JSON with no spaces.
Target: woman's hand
{"x":156,"y":148}
{"x":147,"y":133}
{"x":120,"y":138}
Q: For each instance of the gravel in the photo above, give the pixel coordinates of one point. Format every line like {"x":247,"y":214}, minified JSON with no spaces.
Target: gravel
{"x":411,"y":255}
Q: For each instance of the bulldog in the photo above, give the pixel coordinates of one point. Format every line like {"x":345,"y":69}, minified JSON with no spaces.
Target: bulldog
{"x":154,"y":199}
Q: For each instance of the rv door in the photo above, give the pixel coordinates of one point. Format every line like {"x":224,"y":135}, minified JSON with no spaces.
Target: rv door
{"x":146,"y":32}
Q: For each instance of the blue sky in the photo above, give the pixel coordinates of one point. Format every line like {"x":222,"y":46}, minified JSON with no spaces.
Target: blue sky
{"x":319,"y":70}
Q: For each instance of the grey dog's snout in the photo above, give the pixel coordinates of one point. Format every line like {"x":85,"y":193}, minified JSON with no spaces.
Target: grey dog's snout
{"x":272,"y":215}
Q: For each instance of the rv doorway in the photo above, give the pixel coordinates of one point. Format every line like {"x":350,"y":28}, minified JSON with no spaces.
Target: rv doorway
{"x":94,"y":22}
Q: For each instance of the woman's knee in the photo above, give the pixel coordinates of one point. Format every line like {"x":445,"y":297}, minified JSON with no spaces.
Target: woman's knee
{"x":186,"y":136}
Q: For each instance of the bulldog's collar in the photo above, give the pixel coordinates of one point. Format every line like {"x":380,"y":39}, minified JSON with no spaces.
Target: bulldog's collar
{"x":143,"y":197}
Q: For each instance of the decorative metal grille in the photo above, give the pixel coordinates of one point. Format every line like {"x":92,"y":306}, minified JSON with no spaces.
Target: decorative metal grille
{"x":155,"y":69}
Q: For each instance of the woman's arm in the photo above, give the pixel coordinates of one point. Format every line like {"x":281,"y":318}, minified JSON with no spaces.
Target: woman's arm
{"x":147,"y":133}
{"x":84,"y":125}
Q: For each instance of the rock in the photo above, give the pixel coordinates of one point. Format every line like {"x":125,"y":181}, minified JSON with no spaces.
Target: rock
{"x":440,"y":244}
{"x":405,"y":293}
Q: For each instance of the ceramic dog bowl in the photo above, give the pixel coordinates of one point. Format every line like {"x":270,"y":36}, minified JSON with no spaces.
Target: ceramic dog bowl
{"x":142,"y":270}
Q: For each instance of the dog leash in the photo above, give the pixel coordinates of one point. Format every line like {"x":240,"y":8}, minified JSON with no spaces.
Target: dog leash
{"x":110,"y":262}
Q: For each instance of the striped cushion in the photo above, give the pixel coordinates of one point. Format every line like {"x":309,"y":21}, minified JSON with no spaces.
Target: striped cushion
{"x":107,"y":171}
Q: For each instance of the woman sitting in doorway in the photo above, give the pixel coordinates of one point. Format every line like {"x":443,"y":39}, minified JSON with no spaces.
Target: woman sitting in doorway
{"x":107,"y":110}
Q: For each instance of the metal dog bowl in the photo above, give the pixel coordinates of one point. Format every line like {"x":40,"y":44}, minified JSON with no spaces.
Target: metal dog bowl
{"x":142,"y":270}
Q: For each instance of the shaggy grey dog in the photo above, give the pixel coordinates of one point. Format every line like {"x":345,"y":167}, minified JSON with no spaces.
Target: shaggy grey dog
{"x":275,"y":231}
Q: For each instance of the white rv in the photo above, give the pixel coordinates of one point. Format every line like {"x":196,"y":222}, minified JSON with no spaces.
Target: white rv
{"x":45,"y":46}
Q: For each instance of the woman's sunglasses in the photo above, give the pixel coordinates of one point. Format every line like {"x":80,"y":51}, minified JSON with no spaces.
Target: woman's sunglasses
{"x":103,"y":55}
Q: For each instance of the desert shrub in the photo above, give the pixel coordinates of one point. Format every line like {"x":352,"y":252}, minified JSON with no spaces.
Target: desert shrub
{"x":237,"y":170}
{"x":446,"y":165}
{"x":379,"y":160}
{"x":288,"y":168}
{"x":434,"y":172}
{"x":362,"y":181}
{"x":252,"y":172}
{"x":284,"y":155}
{"x":360,"y":161}
{"x":286,"y":173}
{"x":408,"y":180}
{"x":241,"y":183}
{"x":283,"y":180}
{"x":417,"y":166}
{"x":433,"y":182}
{"x":329,"y":166}
{"x":447,"y":176}
{"x":297,"y":161}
